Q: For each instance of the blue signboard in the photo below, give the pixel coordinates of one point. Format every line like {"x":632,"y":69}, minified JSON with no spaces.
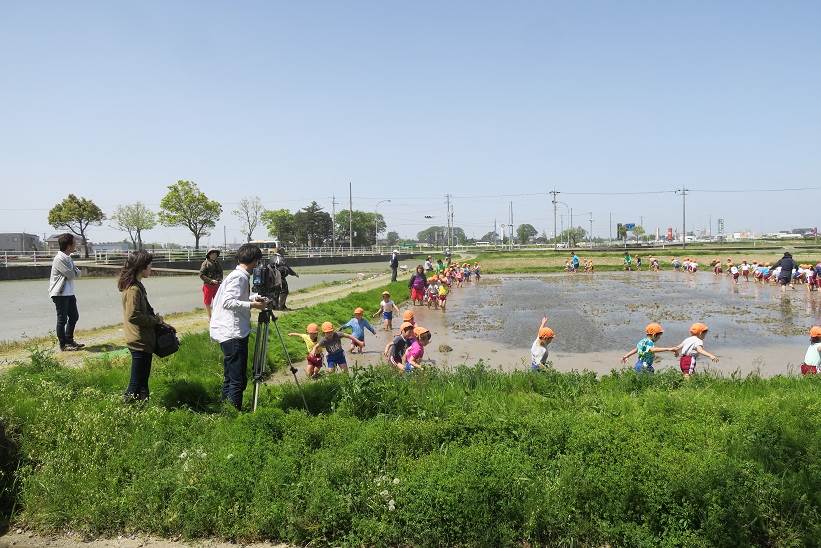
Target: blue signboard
{"x":629,"y":226}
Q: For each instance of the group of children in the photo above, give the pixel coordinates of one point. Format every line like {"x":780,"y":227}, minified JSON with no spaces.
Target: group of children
{"x":760,"y":271}
{"x":574,"y":264}
{"x":405,"y":351}
{"x":432,"y":282}
{"x":687,"y":351}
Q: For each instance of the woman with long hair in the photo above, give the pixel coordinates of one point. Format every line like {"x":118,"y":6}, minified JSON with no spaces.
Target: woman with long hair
{"x":139,"y":322}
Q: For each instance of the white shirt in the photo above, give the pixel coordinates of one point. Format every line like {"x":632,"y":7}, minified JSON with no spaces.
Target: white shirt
{"x":538,"y":353}
{"x":745,"y":268}
{"x":733,"y":270}
{"x":63,"y":274}
{"x":231,"y":309}
{"x":690,"y":345}
{"x":812,"y":357}
{"x":387,"y":306}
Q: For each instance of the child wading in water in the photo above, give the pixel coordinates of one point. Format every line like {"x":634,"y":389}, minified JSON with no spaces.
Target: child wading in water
{"x":538,"y":351}
{"x":414,"y":353}
{"x":691,"y":347}
{"x":395,"y":350}
{"x":647,"y":349}
{"x":332,"y":343}
{"x":387,"y":307}
{"x":314,"y":360}
{"x":358,"y":325}
{"x":812,"y":359}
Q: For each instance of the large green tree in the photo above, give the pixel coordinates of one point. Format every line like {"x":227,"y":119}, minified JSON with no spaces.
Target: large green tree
{"x":525,"y":232}
{"x":280,"y":225}
{"x":490,"y":237}
{"x":248,"y":212}
{"x":439,"y":235}
{"x":76,"y":215}
{"x":392,"y":238}
{"x":134,"y":219}
{"x":187,"y":206}
{"x":573,"y":235}
{"x":365,"y":227}
{"x":312,"y":225}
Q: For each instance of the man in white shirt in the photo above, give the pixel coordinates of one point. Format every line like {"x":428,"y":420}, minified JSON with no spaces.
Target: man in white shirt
{"x":61,"y":291}
{"x":231,"y":322}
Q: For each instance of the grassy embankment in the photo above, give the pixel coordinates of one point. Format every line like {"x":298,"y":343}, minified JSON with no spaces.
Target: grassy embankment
{"x":500,"y":262}
{"x":473,"y":457}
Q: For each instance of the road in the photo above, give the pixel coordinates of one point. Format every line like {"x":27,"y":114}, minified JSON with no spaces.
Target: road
{"x":30,"y":313}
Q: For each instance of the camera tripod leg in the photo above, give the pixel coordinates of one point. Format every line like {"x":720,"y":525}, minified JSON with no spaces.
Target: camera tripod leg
{"x":260,"y":356}
{"x":291,"y":365}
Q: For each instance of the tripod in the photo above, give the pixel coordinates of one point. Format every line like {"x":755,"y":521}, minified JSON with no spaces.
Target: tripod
{"x":261,"y":355}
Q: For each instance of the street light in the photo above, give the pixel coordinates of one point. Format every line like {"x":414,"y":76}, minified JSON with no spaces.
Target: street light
{"x":376,"y":221}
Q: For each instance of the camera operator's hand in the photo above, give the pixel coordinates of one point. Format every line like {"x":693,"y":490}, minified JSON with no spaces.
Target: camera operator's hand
{"x":259,"y":304}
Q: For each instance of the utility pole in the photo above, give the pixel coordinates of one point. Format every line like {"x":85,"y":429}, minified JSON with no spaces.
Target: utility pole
{"x":447,"y":218}
{"x":224,"y":237}
{"x":590,"y":235}
{"x":511,"y":226}
{"x":495,"y":234}
{"x":350,"y":216}
{"x":333,"y":223}
{"x":683,"y":192}
{"x":569,"y":234}
{"x":555,"y":235}
{"x":610,"y":241}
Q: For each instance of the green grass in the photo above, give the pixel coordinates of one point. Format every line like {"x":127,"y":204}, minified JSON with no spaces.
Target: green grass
{"x":473,"y":457}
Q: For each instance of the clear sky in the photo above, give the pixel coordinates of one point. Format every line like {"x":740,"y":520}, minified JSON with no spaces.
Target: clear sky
{"x":410,"y":100}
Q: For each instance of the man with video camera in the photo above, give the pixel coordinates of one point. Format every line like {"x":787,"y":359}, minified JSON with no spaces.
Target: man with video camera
{"x":231,"y":322}
{"x":284,"y":271}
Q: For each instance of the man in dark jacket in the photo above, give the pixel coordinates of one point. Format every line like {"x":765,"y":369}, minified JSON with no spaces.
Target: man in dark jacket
{"x":284,"y":270}
{"x":785,"y":277}
{"x":394,"y":264}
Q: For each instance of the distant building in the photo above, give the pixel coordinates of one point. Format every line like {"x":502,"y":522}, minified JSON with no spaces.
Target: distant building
{"x":53,"y":246}
{"x":20,"y":241}
{"x":803,"y":231}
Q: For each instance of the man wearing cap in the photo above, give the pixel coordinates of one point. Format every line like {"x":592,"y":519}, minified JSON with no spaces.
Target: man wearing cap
{"x":284,"y":271}
{"x":211,"y":276}
{"x":394,"y":264}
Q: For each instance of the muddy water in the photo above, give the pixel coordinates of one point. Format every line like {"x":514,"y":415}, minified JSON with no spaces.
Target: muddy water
{"x":598,"y":318}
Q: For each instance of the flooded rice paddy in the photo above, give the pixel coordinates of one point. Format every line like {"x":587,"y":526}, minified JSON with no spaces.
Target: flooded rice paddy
{"x":598,"y":318}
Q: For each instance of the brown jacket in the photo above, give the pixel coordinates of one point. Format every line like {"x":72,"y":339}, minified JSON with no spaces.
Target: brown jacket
{"x":211,"y":271}
{"x":139,"y":319}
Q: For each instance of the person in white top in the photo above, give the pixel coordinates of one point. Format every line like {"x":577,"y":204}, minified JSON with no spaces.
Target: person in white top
{"x":231,"y":322}
{"x":812,"y":358}
{"x":691,"y":347}
{"x":61,"y":291}
{"x":538,"y":350}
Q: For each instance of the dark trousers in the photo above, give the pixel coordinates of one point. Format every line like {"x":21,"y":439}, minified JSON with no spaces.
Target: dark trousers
{"x":67,"y":316}
{"x":283,"y":295}
{"x":140,"y":370}
{"x":235,"y":370}
{"x":393,"y":273}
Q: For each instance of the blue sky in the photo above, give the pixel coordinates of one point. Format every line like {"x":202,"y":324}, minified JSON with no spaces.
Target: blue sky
{"x":409,"y":101}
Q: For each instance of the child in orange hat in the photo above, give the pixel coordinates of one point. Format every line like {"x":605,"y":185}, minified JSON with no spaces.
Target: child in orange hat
{"x":395,"y":350}
{"x":538,"y":351}
{"x":691,"y":347}
{"x":647,"y":349}
{"x":414,"y":353}
{"x":331,"y":342}
{"x":387,"y":307}
{"x":409,"y":317}
{"x":432,"y":293}
{"x":812,"y":358}
{"x":310,"y":337}
{"x":358,"y":325}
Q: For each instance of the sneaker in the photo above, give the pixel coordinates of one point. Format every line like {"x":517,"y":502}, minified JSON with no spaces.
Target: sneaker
{"x":76,"y":344}
{"x":69,"y":347}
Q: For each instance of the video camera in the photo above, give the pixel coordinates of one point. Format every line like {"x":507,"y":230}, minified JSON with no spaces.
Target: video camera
{"x":266,"y":280}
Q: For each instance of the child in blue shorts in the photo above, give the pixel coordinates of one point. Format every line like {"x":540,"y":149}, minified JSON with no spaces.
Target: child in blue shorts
{"x":332,"y":344}
{"x":387,"y":307}
{"x":647,"y":349}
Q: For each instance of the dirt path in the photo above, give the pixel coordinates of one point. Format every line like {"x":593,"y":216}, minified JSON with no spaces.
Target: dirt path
{"x":106,"y":339}
{"x":23,"y":539}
